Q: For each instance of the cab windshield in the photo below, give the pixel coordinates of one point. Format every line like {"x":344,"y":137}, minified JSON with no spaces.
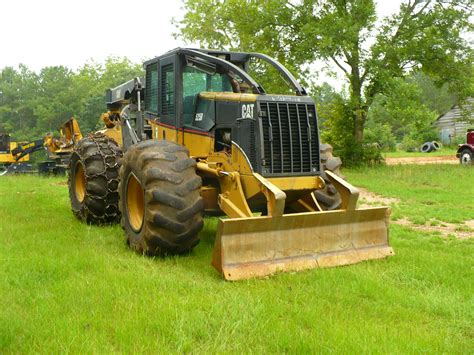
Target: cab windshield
{"x":196,"y":81}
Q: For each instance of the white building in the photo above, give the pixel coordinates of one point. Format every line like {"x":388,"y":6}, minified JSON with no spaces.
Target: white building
{"x":455,"y":122}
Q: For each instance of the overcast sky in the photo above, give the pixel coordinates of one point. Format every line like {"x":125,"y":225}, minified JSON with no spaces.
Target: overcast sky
{"x":43,"y":33}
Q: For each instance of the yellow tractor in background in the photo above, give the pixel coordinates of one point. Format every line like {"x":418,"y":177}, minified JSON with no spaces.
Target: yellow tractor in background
{"x":9,"y":162}
{"x":7,"y":146}
{"x":13,"y":155}
{"x":59,"y":150}
{"x":200,"y":136}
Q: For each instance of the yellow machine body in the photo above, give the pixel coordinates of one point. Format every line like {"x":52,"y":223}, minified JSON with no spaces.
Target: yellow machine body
{"x":59,"y":149}
{"x":8,"y":158}
{"x":293,"y":232}
{"x":69,"y":135}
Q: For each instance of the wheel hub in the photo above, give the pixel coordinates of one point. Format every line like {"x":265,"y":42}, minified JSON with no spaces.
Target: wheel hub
{"x":466,"y":158}
{"x":135,"y":203}
{"x":80,"y":182}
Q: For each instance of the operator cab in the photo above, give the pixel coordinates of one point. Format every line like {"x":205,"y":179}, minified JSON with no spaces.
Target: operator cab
{"x":177,"y":84}
{"x":194,"y":92}
{"x":209,"y":102}
{"x":4,"y":143}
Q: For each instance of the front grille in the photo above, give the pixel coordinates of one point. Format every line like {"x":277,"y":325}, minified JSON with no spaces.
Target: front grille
{"x":290,"y":138}
{"x":253,"y":149}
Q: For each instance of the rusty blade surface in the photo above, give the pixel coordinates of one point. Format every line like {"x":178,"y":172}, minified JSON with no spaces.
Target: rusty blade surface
{"x":260,"y":246}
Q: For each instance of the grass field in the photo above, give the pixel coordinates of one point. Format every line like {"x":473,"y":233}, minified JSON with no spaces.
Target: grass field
{"x":441,"y":192}
{"x":69,"y":287}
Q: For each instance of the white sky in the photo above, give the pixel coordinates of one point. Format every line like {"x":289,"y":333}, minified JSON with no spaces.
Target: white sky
{"x":42,"y":33}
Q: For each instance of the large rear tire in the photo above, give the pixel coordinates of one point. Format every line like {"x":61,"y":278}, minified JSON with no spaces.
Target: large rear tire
{"x":160,"y":198}
{"x":328,"y":198}
{"x":93,"y":180}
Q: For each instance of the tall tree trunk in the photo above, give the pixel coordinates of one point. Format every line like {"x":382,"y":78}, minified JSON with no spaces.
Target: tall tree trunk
{"x":358,"y":107}
{"x":359,"y":120}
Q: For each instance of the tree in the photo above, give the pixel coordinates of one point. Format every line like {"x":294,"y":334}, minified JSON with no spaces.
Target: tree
{"x":406,"y":112}
{"x":32,"y":104}
{"x":403,"y":111}
{"x":93,"y":79}
{"x":437,"y":98}
{"x":17,"y":89}
{"x":425,"y":35}
{"x":55,"y":100}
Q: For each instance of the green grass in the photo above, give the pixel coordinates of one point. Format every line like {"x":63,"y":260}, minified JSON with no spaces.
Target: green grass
{"x":439,"y":191}
{"x":444,"y":151}
{"x":69,"y":287}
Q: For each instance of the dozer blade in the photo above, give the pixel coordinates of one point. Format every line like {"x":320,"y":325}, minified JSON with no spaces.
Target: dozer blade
{"x":260,"y":246}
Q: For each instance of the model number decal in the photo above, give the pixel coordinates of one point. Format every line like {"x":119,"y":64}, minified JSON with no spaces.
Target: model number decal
{"x":247,"y":111}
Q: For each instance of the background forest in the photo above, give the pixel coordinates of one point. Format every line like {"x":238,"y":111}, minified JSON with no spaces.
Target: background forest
{"x":33,"y":104}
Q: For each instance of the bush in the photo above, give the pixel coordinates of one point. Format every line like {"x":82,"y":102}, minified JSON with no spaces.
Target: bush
{"x":372,"y":154}
{"x":424,"y":134}
{"x":412,"y":141}
{"x":457,"y":140}
{"x":336,"y":129}
{"x":354,"y":155}
{"x":409,"y":144}
{"x":381,"y":134}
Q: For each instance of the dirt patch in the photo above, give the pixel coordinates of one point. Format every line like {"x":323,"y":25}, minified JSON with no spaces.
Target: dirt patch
{"x":447,"y":159}
{"x":368,"y":199}
{"x":60,"y":183}
{"x":460,"y":231}
{"x":31,"y":192}
{"x":470,"y":223}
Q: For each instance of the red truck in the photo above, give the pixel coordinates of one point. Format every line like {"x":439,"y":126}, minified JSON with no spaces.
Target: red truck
{"x":465,"y":151}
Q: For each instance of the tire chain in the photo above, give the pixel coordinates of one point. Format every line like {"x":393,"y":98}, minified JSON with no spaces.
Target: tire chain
{"x":111,"y":163}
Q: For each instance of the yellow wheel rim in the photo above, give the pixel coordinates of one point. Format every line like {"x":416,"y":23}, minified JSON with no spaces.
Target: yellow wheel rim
{"x":80,"y":182}
{"x":135,"y":203}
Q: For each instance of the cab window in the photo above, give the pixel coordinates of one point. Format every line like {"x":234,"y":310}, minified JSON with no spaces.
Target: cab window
{"x":151,"y":92}
{"x":196,"y":81}
{"x":167,"y":90}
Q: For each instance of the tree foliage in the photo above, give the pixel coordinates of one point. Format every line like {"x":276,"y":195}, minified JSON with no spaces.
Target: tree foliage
{"x":406,"y":112}
{"x":33,"y":104}
{"x":423,"y":36}
{"x":401,"y":114}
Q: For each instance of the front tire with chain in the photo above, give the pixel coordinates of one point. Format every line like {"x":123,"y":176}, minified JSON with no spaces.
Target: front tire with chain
{"x":94,"y":178}
{"x":160,"y":198}
{"x":329,"y":198}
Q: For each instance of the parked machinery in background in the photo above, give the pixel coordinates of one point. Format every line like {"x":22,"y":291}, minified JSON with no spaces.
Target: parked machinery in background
{"x":465,"y":151}
{"x":10,"y":163}
{"x":59,"y":150}
{"x":14,"y":155}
